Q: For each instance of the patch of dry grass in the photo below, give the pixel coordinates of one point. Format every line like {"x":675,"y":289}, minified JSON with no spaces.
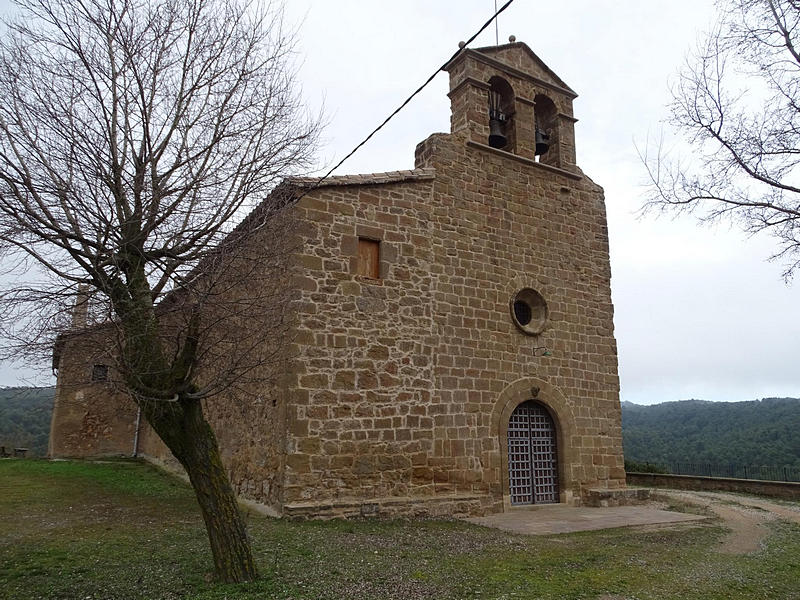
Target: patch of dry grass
{"x":124,"y":531}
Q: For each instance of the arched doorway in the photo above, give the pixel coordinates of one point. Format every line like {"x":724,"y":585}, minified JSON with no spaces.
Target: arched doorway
{"x":532,"y":456}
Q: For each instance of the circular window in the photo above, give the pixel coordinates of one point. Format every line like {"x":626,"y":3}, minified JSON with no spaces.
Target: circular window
{"x":529,"y":311}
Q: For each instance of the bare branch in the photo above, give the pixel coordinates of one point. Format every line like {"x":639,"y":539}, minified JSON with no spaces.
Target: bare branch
{"x":737,"y":103}
{"x":134,"y":137}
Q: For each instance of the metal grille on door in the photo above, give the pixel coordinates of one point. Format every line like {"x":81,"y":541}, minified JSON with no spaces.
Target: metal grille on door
{"x":532,"y":461}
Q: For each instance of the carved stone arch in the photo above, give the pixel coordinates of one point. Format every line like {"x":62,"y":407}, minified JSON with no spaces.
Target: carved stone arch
{"x":554,"y":401}
{"x":547,"y":123}
{"x":502,"y":105}
{"x":523,"y":280}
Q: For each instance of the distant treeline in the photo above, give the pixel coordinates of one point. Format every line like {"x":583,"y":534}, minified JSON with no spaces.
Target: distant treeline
{"x":761,"y":432}
{"x":25,"y":418}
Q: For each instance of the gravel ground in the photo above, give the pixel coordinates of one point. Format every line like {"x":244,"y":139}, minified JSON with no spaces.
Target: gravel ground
{"x":745,"y":517}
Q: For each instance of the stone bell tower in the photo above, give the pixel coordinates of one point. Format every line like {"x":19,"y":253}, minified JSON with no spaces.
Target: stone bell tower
{"x":528,"y":96}
{"x":523,"y":274}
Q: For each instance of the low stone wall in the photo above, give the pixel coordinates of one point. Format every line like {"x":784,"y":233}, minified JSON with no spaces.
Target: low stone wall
{"x":775,"y":489}
{"x":451,"y":506}
{"x":599,"y":497}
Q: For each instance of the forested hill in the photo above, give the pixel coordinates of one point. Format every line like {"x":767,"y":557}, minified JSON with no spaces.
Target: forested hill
{"x":761,"y":432}
{"x":25,"y":418}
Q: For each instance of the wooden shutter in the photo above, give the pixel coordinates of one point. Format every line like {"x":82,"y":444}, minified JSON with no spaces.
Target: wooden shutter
{"x":369,"y":258}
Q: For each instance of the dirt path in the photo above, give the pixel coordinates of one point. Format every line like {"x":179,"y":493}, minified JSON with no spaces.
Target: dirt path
{"x":746,"y":517}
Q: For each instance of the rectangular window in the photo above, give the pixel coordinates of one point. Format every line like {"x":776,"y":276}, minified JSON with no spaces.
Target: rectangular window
{"x":369,"y":258}
{"x":99,"y":373}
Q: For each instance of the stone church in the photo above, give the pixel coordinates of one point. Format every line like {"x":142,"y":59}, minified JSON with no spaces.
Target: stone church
{"x":453,"y":334}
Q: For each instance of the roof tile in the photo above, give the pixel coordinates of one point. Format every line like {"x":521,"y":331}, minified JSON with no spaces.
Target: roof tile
{"x":364,"y":178}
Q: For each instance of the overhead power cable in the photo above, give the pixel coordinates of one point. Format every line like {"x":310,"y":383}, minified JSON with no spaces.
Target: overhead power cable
{"x":407,"y":100}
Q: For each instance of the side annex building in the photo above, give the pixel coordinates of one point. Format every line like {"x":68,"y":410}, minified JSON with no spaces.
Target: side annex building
{"x":453,"y":346}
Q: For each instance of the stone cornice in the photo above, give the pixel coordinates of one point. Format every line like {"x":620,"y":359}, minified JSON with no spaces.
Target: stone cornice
{"x":485,"y":86}
{"x":492,"y":62}
{"x":468,"y":81}
{"x":525,"y":101}
{"x":524,"y":160}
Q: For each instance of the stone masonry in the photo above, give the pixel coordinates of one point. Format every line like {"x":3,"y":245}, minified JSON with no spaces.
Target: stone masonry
{"x":401,"y":383}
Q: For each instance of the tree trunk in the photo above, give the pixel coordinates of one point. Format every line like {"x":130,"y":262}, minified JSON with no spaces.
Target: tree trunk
{"x":180,"y":423}
{"x":194,"y":444}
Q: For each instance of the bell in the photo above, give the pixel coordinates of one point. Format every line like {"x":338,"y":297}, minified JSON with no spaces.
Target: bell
{"x":542,"y":142}
{"x":497,"y":138}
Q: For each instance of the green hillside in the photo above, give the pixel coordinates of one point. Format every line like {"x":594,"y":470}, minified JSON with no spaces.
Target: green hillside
{"x":25,"y":418}
{"x":761,"y":432}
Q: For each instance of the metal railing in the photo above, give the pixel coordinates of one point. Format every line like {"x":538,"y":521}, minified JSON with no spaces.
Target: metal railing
{"x":760,"y":472}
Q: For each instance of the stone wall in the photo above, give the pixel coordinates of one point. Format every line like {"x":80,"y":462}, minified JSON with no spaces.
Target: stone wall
{"x":787,"y":490}
{"x":358,"y":422}
{"x":90,"y":418}
{"x":503,"y":223}
{"x":402,"y":381}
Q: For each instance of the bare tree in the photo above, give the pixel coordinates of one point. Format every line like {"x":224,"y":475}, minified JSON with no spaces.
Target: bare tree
{"x":737,"y":102}
{"x":134,"y":135}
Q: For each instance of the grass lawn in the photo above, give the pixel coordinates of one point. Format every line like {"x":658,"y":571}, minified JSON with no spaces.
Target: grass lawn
{"x":123,"y":530}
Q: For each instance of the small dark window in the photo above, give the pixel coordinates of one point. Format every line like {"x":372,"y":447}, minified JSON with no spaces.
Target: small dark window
{"x":369,"y":258}
{"x":529,"y":311}
{"x":522,"y":311}
{"x":99,"y":373}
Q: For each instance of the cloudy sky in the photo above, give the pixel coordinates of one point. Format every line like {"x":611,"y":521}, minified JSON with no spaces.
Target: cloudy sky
{"x":699,"y":312}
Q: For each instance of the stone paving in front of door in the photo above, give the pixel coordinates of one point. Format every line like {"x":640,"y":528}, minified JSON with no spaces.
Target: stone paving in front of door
{"x":559,"y":518}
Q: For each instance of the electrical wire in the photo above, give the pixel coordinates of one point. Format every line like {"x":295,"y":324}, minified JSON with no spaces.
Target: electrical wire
{"x":407,"y":100}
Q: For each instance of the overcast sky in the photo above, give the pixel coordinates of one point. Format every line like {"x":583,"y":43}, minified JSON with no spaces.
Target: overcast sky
{"x":699,"y":312}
